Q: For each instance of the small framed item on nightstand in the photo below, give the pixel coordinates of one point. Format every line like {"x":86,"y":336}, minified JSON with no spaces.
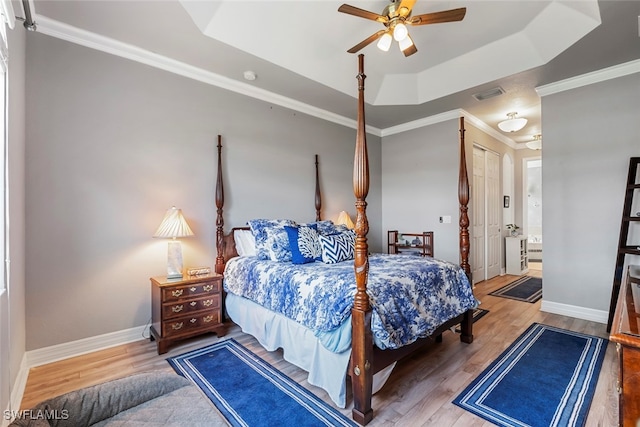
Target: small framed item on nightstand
{"x":198,"y":271}
{"x":184,"y":308}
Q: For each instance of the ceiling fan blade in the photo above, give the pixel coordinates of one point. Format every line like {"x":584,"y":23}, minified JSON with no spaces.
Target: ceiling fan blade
{"x":438,"y":17}
{"x":410,"y":50}
{"x":405,"y":7}
{"x":361,"y":13}
{"x":367,"y":41}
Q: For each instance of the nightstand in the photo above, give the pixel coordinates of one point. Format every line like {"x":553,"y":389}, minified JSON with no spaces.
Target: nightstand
{"x":186,"y":307}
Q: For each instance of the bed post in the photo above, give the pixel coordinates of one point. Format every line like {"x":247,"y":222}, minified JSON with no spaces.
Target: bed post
{"x":362,"y":341}
{"x":318,"y":195}
{"x":219,"y":220}
{"x":466,"y":326}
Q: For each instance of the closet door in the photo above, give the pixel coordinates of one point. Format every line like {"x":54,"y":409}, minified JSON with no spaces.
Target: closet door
{"x":493,"y":208}
{"x":486,"y":202}
{"x":478,"y":216}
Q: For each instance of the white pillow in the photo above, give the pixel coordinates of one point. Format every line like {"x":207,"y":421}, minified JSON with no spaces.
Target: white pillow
{"x":245,"y":242}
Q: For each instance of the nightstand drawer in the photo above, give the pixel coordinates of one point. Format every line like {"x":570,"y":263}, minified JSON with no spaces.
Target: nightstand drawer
{"x":174,"y":293}
{"x":184,"y":308}
{"x":176,"y":309}
{"x":188,"y":324}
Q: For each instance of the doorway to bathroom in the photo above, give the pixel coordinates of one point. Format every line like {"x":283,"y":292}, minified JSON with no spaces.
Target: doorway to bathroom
{"x":533,"y":210}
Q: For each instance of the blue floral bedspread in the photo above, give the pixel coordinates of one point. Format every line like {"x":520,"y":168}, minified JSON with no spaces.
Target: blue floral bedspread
{"x":410,"y":295}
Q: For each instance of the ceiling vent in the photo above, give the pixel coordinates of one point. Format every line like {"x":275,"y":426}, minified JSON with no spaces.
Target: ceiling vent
{"x":489,"y":93}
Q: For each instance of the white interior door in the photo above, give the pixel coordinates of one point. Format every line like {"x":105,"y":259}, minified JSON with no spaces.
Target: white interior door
{"x":492,"y":217}
{"x":478,"y":218}
{"x":486,"y":201}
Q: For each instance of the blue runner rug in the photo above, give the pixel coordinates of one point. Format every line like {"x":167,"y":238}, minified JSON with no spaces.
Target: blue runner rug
{"x":250,"y":392}
{"x":525,"y":288}
{"x":547,"y":377}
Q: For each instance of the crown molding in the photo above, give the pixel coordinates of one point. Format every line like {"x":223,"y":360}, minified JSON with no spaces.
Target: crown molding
{"x":426,"y":121}
{"x":598,"y":76}
{"x":95,"y":41}
{"x":488,"y":129}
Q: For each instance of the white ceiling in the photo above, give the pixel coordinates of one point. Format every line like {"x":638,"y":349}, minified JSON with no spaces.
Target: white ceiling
{"x":298,"y":49}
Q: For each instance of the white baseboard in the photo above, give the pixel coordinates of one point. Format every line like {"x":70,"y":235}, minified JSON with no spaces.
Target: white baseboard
{"x":590,"y":314}
{"x":17,"y":391}
{"x":54,"y":353}
{"x":57,"y":352}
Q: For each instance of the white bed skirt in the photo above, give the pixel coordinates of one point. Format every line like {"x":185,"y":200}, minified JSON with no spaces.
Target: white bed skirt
{"x":300,"y":346}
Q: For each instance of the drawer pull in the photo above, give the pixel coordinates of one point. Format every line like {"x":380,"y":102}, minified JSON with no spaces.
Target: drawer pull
{"x":176,"y":326}
{"x":193,"y":289}
{"x":207,"y":319}
{"x":177,"y":292}
{"x":193,"y":320}
{"x":193,"y":303}
{"x":207,"y":288}
{"x":177,"y":308}
{"x":207,"y":302}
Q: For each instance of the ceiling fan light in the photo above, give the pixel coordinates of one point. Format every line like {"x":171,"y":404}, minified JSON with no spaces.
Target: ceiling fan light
{"x":400,"y":32}
{"x":385,"y":42}
{"x":405,"y":43}
{"x":512,"y":124}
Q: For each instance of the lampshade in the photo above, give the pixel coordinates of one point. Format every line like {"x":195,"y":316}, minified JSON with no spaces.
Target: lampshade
{"x":173,"y":225}
{"x":400,"y":32}
{"x":385,"y":42}
{"x":345,"y":219}
{"x":513,"y":123}
{"x":536,"y":144}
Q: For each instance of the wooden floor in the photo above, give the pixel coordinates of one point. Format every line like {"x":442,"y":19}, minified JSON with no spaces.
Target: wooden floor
{"x":419,"y":392}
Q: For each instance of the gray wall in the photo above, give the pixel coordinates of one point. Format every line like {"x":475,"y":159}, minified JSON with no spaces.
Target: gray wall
{"x":420,"y":181}
{"x":112,"y":144}
{"x":589,"y":135}
{"x":420,"y":184}
{"x":16,"y":203}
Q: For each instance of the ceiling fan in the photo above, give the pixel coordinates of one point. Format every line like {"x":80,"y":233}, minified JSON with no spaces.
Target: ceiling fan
{"x":395,"y":17}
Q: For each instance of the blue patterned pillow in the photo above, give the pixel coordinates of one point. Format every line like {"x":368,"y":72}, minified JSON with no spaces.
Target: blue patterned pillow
{"x":278,"y":245}
{"x":275,"y":242}
{"x":327,"y":227}
{"x":304,"y":244}
{"x":337,"y":247}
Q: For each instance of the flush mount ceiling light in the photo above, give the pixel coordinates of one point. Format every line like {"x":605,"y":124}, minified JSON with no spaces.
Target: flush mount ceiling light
{"x":536,"y":144}
{"x":513,"y":123}
{"x":250,"y":75}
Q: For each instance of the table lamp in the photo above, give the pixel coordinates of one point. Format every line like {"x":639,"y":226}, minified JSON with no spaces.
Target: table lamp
{"x":345,"y":219}
{"x":173,"y":225}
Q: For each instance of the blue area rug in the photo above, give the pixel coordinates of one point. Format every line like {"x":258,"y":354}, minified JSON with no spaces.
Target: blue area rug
{"x":547,"y":377}
{"x":525,"y":288}
{"x":250,"y":392}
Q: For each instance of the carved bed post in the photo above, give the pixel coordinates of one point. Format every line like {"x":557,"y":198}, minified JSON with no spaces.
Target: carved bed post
{"x":318,"y":195}
{"x":463,"y":197}
{"x":466,"y":326}
{"x":219,"y":220}
{"x":362,"y":344}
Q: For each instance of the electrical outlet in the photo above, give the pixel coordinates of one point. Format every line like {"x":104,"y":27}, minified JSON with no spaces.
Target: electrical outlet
{"x":446,"y":219}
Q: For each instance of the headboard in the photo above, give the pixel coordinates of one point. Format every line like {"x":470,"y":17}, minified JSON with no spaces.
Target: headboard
{"x":225,"y":243}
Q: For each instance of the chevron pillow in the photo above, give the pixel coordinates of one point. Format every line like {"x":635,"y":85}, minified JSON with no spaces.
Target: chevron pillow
{"x":337,"y":247}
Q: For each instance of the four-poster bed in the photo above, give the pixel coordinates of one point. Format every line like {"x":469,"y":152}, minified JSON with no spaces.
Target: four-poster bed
{"x":364,"y":357}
